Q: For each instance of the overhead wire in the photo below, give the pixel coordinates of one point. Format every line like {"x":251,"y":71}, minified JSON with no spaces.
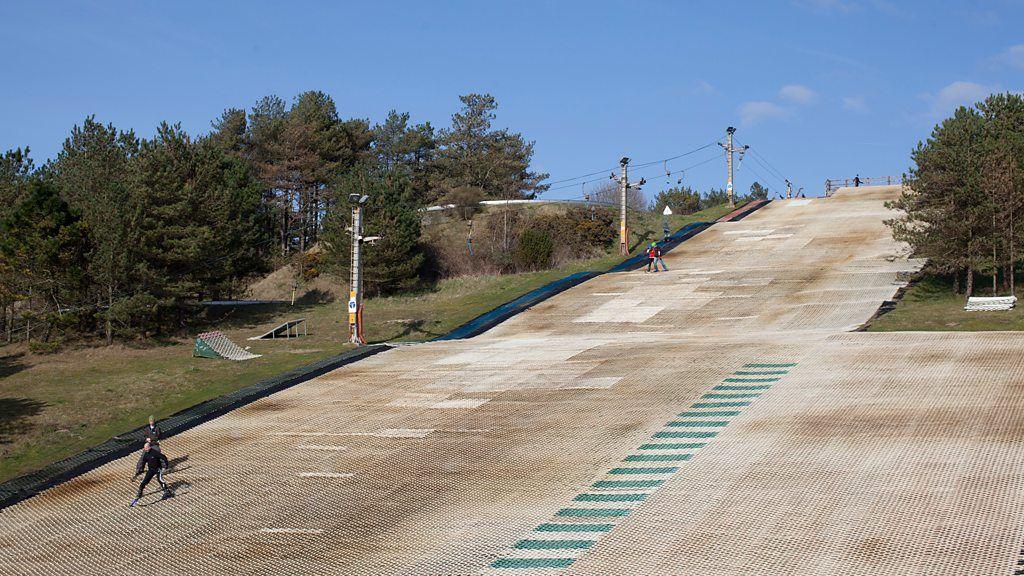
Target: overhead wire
{"x":677,"y":171}
{"x":768,"y":166}
{"x":632,"y":166}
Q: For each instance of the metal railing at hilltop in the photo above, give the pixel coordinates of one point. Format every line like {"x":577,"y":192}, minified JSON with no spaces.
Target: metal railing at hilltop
{"x":833,"y":184}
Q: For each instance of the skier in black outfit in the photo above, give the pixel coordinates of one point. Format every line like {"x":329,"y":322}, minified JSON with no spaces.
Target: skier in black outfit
{"x":155,"y":463}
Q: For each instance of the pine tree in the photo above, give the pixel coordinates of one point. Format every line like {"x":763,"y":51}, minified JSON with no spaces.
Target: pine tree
{"x":94,"y":174}
{"x":472,"y":154}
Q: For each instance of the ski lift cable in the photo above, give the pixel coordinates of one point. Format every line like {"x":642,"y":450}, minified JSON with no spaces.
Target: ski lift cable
{"x":755,"y":172}
{"x":766,"y":164}
{"x":718,"y":156}
{"x":779,"y":180}
{"x":634,"y":166}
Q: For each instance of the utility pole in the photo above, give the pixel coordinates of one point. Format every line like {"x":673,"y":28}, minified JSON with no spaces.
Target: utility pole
{"x":624,"y":188}
{"x":729,"y":149}
{"x":355,"y":294}
{"x":789,"y":189}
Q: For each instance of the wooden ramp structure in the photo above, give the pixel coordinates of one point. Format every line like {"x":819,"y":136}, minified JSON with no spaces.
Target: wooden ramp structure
{"x":289,"y":329}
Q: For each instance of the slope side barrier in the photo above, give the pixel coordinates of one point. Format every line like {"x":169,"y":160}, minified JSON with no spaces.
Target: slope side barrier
{"x":18,"y":489}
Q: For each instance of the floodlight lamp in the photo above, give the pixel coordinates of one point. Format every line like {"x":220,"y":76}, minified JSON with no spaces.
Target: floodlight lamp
{"x":353,"y":198}
{"x":364,"y":199}
{"x":623,"y":161}
{"x":730,"y":130}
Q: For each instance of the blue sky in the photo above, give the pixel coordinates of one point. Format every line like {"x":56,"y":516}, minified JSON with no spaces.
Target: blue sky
{"x":821,"y":88}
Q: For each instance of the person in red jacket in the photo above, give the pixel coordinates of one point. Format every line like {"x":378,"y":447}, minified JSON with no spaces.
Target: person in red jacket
{"x":651,"y":256}
{"x":657,"y":258}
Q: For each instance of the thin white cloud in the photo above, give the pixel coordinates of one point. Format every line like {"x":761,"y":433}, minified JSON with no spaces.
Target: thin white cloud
{"x":855,"y":104}
{"x":704,"y":87}
{"x":1012,"y":57}
{"x":955,"y":94}
{"x":758,"y":110}
{"x":798,"y":94}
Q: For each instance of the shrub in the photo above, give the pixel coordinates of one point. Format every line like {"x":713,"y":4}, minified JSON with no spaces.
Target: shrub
{"x":534,"y":249}
{"x":39,"y":347}
{"x":309,"y":266}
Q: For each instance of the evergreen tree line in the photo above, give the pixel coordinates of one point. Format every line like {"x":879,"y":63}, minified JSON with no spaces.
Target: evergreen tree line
{"x":686,"y":200}
{"x":963,"y":194}
{"x":122,"y":236}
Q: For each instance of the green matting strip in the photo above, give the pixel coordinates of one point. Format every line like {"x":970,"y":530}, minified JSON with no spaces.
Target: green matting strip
{"x":621,"y":497}
{"x":720,"y":404}
{"x":553,"y":544}
{"x":605,"y":484}
{"x":532,"y":563}
{"x":674,"y":446}
{"x":551,"y":527}
{"x":697,"y":423}
{"x":727,"y":396}
{"x":763,"y":365}
{"x":591,"y":512}
{"x":658,"y":457}
{"x":727,"y":387}
{"x":751,"y":380}
{"x":650,"y":470}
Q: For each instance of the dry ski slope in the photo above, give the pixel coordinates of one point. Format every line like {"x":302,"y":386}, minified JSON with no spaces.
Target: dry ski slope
{"x":719,"y":419}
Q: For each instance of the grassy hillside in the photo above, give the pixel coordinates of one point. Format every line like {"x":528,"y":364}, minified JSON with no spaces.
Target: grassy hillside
{"x":56,"y":405}
{"x":930,"y":305}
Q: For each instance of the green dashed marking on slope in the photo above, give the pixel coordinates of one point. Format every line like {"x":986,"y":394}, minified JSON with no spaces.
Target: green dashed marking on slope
{"x":674,"y":446}
{"x":720,"y":404}
{"x":727,"y":396}
{"x":658,"y":457}
{"x":712,"y":413}
{"x":697,"y":423}
{"x":606,"y":484}
{"x":667,"y":434}
{"x":730,"y":395}
{"x":532,"y":563}
{"x":621,"y":497}
{"x":553,"y":544}
{"x":760,"y":372}
{"x":552,"y":527}
{"x":591,"y":512}
{"x":644,"y":470}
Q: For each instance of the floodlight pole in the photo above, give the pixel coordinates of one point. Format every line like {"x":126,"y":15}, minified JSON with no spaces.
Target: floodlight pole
{"x":355,"y":295}
{"x":789,"y":189}
{"x":623,"y":192}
